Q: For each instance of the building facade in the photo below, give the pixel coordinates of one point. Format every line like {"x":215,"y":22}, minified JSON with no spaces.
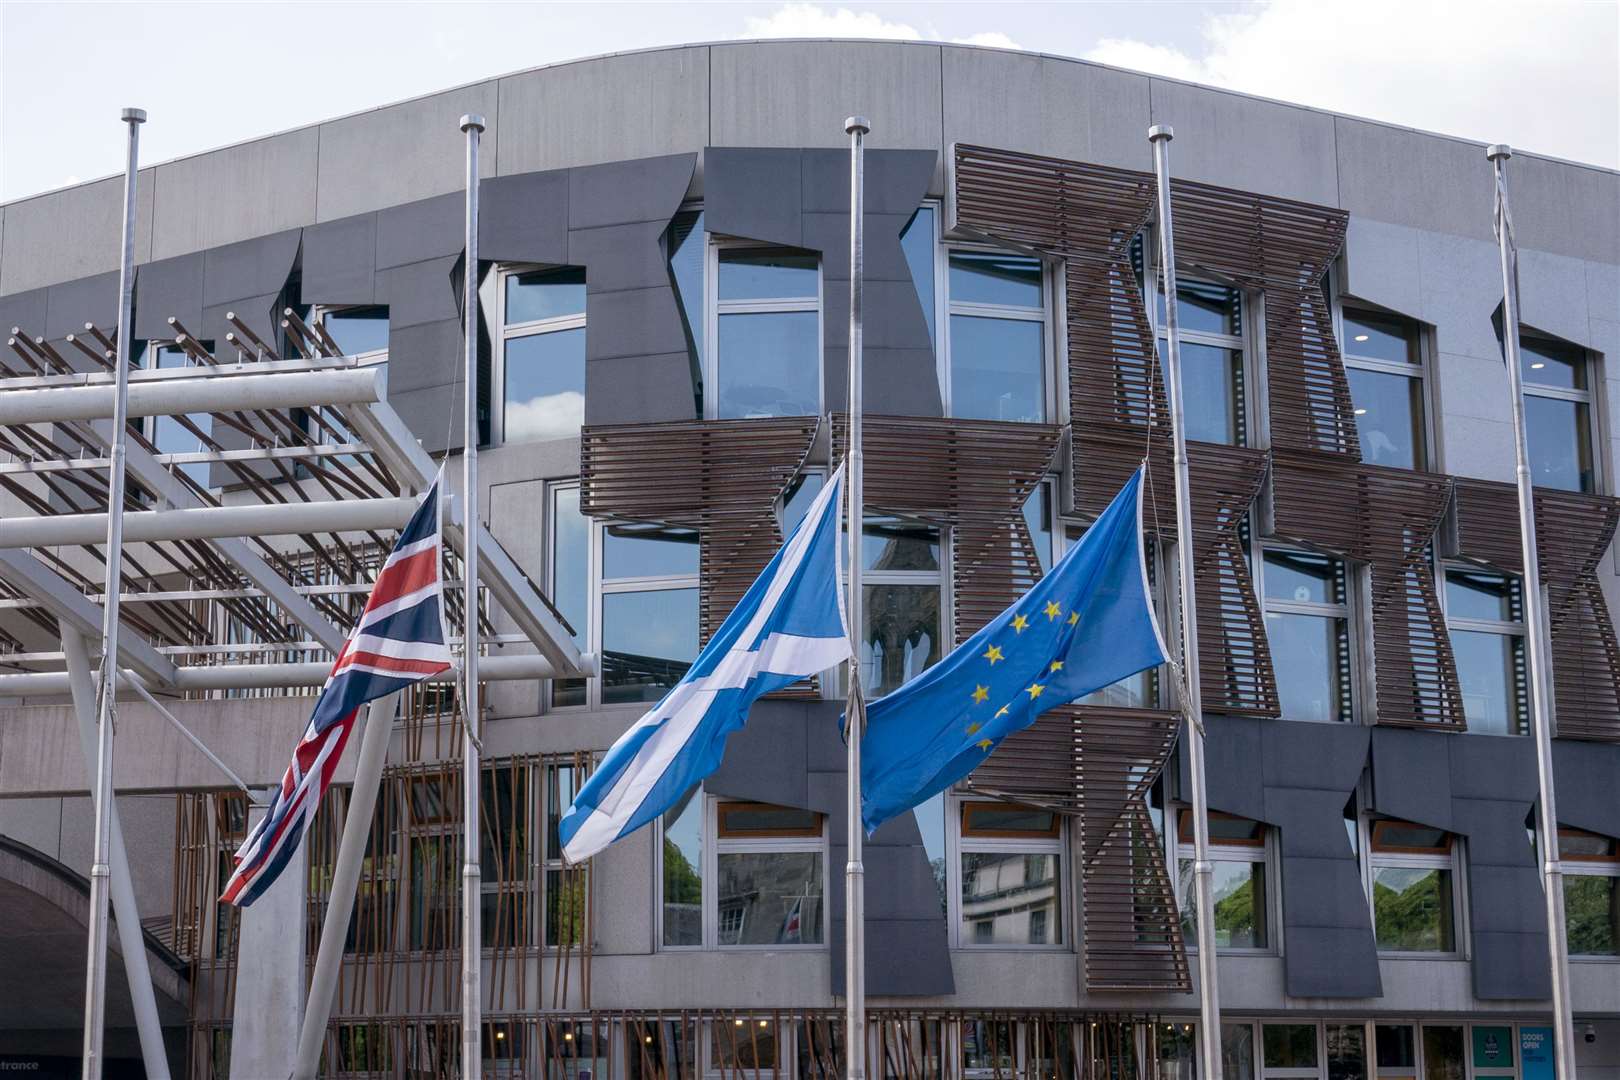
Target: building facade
{"x":663,"y":286}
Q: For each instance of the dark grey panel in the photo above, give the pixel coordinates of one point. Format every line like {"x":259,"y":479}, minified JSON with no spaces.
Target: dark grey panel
{"x":340,"y":261}
{"x":790,"y":753}
{"x":633,"y":322}
{"x":72,"y":304}
{"x":261,"y":314}
{"x":621,"y":256}
{"x":754,"y":194}
{"x":250,"y":268}
{"x":647,"y":189}
{"x":168,"y":288}
{"x":421,"y":230}
{"x":524,"y":218}
{"x":1588,"y":793}
{"x":421,"y":292}
{"x":26,"y":311}
{"x":1411,"y":773}
{"x":428,"y":354}
{"x":639,"y":389}
{"x":433,"y":414}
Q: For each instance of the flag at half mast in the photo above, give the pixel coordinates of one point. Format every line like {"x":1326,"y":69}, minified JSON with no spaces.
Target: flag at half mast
{"x":789,"y":625}
{"x":1085,"y":625}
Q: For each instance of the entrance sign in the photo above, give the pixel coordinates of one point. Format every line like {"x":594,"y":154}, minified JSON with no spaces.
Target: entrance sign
{"x":1536,"y":1053}
{"x":1493,"y":1048}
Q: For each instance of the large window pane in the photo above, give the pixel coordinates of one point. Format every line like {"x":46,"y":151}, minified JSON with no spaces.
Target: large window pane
{"x":1289,"y":1046}
{"x":687,"y":245}
{"x":984,"y":277}
{"x":1559,"y":436}
{"x":1346,"y":1052}
{"x":1139,"y":691}
{"x":917,"y":244}
{"x":1303,"y":577}
{"x":747,"y":274}
{"x":770,"y":364}
{"x":169,"y":435}
{"x":798,"y":500}
{"x":902,"y":635}
{"x":358,"y":330}
{"x":769,"y":898}
{"x":1210,"y":392}
{"x":1237,"y":1051}
{"x":683,"y":871}
{"x":642,"y":551}
{"x":897,"y":544}
{"x":570,"y":580}
{"x":1412,"y":909}
{"x":997,"y":369}
{"x":1552,"y":363}
{"x":1592,"y":912}
{"x":931,"y":823}
{"x":545,"y":385}
{"x":544,"y":294}
{"x":649,"y":639}
{"x":1010,"y":899}
{"x":1491,"y":669}
{"x":1380,"y":337}
{"x":1396,"y":1048}
{"x":1308,"y":653}
{"x":1481,"y":595}
{"x":1240,"y":903}
{"x":1389,"y":417}
{"x":1443,"y":1053}
{"x":1206,"y":308}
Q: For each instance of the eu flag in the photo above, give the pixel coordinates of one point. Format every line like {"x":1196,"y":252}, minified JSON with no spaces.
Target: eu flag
{"x":1085,"y":625}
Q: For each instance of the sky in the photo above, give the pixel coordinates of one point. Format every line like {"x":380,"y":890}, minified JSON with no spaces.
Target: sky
{"x":1542,"y":75}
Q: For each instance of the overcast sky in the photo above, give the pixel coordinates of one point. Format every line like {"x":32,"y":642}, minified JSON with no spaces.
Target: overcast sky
{"x":1542,"y":76}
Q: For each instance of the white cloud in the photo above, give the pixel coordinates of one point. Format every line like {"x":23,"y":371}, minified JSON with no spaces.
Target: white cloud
{"x":550,"y":416}
{"x":802,"y":20}
{"x":1541,"y":76}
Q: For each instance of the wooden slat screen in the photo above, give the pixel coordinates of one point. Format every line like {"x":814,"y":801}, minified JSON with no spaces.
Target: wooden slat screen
{"x":1573,"y":532}
{"x":1388,"y":519}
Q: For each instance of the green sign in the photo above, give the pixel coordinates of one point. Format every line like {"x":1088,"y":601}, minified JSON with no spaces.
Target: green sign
{"x":1493,"y":1048}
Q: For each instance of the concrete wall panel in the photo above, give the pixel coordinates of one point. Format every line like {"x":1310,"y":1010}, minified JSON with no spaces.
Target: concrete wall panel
{"x":238,"y":193}
{"x":1407,"y":178}
{"x":401,"y":153}
{"x":72,"y":233}
{"x":1246,"y":143}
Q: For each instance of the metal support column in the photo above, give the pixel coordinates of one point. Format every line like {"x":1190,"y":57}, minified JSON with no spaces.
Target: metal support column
{"x":130,"y":940}
{"x":1192,"y":702}
{"x":472,"y":940}
{"x":1535,"y":634}
{"x":855,"y":872}
{"x":95,"y":988}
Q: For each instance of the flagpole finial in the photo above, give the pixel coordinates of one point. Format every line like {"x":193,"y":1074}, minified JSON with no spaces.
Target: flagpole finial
{"x":1161,"y":131}
{"x":133,"y":116}
{"x":473,"y":121}
{"x":1498,"y":150}
{"x":857,"y":123}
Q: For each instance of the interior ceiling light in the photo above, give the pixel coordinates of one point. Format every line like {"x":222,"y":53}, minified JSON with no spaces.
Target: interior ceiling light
{"x":1361,"y":337}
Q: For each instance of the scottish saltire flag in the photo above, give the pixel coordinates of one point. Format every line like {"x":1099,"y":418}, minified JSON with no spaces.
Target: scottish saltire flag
{"x":398,"y":641}
{"x":789,"y":625}
{"x":1086,"y":624}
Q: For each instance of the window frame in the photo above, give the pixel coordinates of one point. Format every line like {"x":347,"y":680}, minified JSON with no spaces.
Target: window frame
{"x":1596,"y":442}
{"x":714,"y":307}
{"x":945,"y":307}
{"x":957,"y":845}
{"x":1509,"y":628}
{"x":1357,"y":619}
{"x":319,"y":313}
{"x":1604,"y":866}
{"x":500,"y":333}
{"x":1264,"y":851}
{"x":1456,"y":862}
{"x":1253,"y":419}
{"x":1420,"y":370}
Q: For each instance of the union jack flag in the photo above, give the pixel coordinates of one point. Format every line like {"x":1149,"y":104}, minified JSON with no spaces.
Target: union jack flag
{"x":398,"y":641}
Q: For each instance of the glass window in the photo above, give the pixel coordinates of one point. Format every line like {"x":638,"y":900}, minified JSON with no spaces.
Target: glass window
{"x":1443,"y":1053}
{"x":1395,"y":1047}
{"x":932,"y":825}
{"x":744,"y":1046}
{"x":1237,"y":1051}
{"x":569,"y":580}
{"x":1289,"y":1046}
{"x":567,"y":889}
{"x":1010,"y":889}
{"x":767,"y":333}
{"x":997,"y":355}
{"x":1308,"y":628}
{"x":1557,"y":413}
{"x":1485,"y":617}
{"x":543,"y":355}
{"x":1384,"y":362}
{"x":1346,"y":1051}
{"x":903,"y":586}
{"x":1591,"y":892}
{"x":189,"y":434}
{"x":649,"y":639}
{"x":687,"y":244}
{"x":1413,"y":895}
{"x":632,"y":550}
{"x":1211,"y":320}
{"x":918,"y":243}
{"x":683,"y":872}
{"x":1242,"y":905}
{"x":357,"y":331}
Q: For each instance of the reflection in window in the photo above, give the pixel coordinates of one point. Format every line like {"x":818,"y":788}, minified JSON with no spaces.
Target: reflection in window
{"x":569,"y":580}
{"x":917,"y":244}
{"x":1414,"y":905}
{"x":1591,"y":892}
{"x":1485,"y":618}
{"x":902,"y":589}
{"x":1308,"y":629}
{"x":1346,"y":1051}
{"x":1443,"y":1050}
{"x":767,"y":347}
{"x":649,"y":609}
{"x":683,"y":872}
{"x":189,"y":434}
{"x":543,"y":355}
{"x":1557,"y":413}
{"x":1210,"y":320}
{"x":997,"y":348}
{"x":1288,"y":1046}
{"x":1384,"y":363}
{"x":1011,"y":891}
{"x":357,"y":331}
{"x":1238,"y":852}
{"x":687,"y":244}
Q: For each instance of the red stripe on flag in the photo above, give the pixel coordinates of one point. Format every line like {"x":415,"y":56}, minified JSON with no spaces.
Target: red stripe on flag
{"x":405,"y":577}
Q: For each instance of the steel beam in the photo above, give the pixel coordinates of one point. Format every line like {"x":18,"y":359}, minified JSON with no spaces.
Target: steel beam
{"x":79,"y":615}
{"x":196,"y":394}
{"x":211,"y":522}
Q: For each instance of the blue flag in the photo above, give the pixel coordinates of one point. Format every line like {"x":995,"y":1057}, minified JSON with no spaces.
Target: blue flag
{"x":1085,"y":625}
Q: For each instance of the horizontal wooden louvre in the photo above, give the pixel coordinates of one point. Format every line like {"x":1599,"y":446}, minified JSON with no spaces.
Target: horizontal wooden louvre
{"x":721,"y":477}
{"x":1386,"y":518}
{"x":1573,"y":532}
{"x":1281,"y":248}
{"x":1098,"y":764}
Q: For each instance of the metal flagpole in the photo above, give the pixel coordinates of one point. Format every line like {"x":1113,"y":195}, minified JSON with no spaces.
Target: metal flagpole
{"x":95,"y":989}
{"x":1192,"y":702}
{"x":472,"y":1045}
{"x":855,"y":873}
{"x":1534,"y":624}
